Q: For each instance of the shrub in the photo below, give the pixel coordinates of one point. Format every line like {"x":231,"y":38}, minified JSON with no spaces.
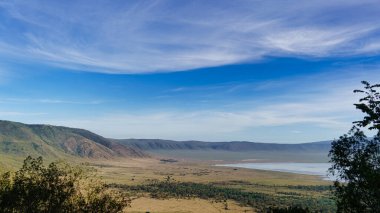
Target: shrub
{"x":57,"y":187}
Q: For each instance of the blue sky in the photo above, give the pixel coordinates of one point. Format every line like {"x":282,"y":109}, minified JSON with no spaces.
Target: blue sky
{"x":268,"y":71}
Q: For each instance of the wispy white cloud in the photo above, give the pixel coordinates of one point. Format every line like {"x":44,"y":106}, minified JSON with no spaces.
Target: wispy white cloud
{"x":326,"y":107}
{"x":49,"y":101}
{"x":5,"y":74}
{"x":215,"y":125}
{"x":316,"y":42}
{"x":150,"y":36}
{"x":20,"y":114}
{"x":314,"y":107}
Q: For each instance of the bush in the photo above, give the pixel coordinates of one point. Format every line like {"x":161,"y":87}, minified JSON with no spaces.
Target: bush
{"x":55,"y":188}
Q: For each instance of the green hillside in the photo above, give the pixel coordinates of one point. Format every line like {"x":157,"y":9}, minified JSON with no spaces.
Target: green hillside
{"x":53,"y":142}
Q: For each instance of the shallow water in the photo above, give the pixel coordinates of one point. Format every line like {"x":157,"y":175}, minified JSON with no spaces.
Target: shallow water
{"x":319,"y":169}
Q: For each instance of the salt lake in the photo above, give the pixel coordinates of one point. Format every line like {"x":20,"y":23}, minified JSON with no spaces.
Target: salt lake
{"x":319,"y":169}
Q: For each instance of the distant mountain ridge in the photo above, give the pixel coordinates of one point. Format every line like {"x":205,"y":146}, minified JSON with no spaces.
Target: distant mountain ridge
{"x":18,"y":139}
{"x":236,"y":146}
{"x":56,"y":142}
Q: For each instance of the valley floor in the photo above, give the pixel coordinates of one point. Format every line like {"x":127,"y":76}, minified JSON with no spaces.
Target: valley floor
{"x":285,"y":188}
{"x":290,"y":188}
{"x":143,"y":205}
{"x":137,"y":171}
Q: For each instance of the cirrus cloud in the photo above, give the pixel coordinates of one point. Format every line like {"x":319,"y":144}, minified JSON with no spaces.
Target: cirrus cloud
{"x":165,"y":36}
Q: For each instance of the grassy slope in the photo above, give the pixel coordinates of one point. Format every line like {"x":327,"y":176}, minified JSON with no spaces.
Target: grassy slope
{"x":55,"y":142}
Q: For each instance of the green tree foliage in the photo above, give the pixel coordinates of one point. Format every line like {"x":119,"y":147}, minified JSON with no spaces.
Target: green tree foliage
{"x":57,"y":187}
{"x":356,"y":158}
{"x":292,"y":209}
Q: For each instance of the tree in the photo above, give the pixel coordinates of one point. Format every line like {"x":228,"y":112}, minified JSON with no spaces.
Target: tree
{"x":356,"y":158}
{"x":55,"y":188}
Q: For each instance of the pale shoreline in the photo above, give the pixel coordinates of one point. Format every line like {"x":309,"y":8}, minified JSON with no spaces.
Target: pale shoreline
{"x":314,"y":169}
